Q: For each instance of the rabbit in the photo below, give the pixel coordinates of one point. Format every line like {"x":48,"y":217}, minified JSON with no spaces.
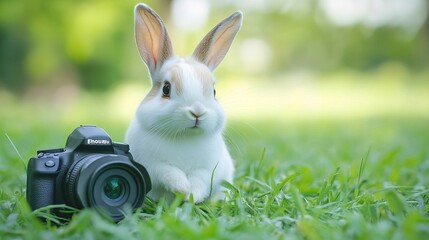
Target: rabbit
{"x":177,"y":129}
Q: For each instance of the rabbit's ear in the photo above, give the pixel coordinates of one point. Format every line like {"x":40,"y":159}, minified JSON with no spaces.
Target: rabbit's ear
{"x":214,"y":46}
{"x":152,"y":39}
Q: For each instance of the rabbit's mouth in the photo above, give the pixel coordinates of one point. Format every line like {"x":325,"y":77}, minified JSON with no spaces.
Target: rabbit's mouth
{"x":195,"y":131}
{"x":197,"y":122}
{"x":196,"y":125}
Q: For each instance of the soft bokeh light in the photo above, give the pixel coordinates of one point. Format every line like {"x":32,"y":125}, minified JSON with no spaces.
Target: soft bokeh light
{"x":190,"y":15}
{"x":255,"y":55}
{"x":409,"y":15}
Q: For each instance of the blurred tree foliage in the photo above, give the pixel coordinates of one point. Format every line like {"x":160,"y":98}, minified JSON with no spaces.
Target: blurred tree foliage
{"x":91,"y":43}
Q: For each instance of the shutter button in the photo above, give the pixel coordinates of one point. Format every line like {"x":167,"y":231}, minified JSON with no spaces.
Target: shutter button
{"x":49,"y":163}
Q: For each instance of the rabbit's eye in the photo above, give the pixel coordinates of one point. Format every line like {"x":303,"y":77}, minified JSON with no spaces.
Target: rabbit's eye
{"x":166,"y":89}
{"x":214,"y":92}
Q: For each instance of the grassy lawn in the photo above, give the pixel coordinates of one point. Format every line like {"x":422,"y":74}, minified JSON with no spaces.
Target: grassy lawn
{"x":314,"y":161}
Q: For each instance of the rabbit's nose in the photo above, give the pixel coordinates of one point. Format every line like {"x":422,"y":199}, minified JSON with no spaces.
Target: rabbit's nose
{"x":196,"y":114}
{"x":197,"y":110}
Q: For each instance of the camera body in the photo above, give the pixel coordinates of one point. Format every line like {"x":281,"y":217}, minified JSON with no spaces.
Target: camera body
{"x":91,"y":171}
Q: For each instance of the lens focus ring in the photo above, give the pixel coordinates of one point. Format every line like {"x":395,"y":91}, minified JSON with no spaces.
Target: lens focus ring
{"x":71,"y":181}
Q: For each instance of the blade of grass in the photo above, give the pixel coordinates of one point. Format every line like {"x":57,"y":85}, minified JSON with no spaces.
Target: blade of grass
{"x":396,"y":202}
{"x":275,"y":191}
{"x":261,"y":159}
{"x":211,"y":179}
{"x":361,"y":168}
{"x":299,"y":203}
{"x":16,"y":150}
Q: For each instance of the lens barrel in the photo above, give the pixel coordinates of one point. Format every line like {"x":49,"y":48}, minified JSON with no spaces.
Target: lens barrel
{"x":109,"y":183}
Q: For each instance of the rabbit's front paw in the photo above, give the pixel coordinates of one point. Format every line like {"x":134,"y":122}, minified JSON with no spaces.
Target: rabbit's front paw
{"x":177,"y":182}
{"x":199,"y":189}
{"x":198,"y":195}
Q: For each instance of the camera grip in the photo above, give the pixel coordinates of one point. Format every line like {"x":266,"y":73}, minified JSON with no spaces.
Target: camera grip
{"x":41,"y":176}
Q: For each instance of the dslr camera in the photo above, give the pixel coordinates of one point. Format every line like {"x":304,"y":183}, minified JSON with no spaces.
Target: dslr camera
{"x":90,"y":172}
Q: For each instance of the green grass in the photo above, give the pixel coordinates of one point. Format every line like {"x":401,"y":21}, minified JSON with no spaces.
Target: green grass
{"x":364,"y":177}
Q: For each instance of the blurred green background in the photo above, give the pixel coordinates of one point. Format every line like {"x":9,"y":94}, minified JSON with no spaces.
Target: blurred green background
{"x":313,"y":90}
{"x":90,"y":45}
{"x":63,"y":63}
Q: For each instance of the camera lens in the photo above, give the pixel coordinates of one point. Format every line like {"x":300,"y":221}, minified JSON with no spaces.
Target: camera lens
{"x":109,"y":183}
{"x":113,"y":187}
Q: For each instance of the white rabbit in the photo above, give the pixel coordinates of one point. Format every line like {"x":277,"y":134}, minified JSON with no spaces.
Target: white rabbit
{"x":177,"y":129}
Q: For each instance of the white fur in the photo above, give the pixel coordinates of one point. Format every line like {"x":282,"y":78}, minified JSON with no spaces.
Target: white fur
{"x":180,"y":150}
{"x":184,"y":166}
